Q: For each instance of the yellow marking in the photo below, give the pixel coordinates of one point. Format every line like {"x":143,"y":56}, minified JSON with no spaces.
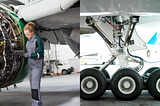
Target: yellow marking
{"x":1,"y":50}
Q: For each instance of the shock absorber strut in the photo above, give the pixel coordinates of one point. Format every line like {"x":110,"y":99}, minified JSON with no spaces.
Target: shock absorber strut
{"x":133,"y":21}
{"x":90,"y":21}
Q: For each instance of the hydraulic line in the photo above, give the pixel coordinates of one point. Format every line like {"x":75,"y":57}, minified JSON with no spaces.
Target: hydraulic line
{"x":112,"y":25}
{"x":137,"y":57}
{"x":4,"y":57}
{"x":4,"y":52}
{"x":8,"y":23}
{"x":11,"y":28}
{"x":9,"y":75}
{"x":141,"y":58}
{"x":120,"y":42}
{"x":11,"y":21}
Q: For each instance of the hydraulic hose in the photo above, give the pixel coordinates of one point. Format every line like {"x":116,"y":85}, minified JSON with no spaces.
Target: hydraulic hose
{"x":141,"y":58}
{"x":4,"y":53}
{"x":8,"y":23}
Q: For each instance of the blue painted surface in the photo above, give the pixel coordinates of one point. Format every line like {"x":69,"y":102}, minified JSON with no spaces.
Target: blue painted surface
{"x":154,"y":40}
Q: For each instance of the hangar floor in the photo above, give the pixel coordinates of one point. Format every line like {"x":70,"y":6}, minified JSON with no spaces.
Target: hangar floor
{"x":108,"y":99}
{"x":60,"y":90}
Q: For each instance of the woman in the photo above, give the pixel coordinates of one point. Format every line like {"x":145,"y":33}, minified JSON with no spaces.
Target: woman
{"x":35,"y":54}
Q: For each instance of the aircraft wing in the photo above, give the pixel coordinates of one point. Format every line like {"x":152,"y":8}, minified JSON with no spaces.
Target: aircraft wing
{"x":148,"y":11}
{"x":117,"y":7}
{"x":14,"y":2}
{"x":57,"y":20}
{"x":62,"y":28}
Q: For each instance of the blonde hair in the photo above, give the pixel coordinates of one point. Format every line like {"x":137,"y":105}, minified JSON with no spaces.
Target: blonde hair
{"x":29,"y":26}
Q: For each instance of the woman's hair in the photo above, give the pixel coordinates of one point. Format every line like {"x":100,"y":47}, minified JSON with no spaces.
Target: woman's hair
{"x":29,"y":26}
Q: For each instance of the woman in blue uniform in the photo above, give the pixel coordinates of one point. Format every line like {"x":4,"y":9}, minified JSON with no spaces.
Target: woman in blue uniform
{"x":35,"y":54}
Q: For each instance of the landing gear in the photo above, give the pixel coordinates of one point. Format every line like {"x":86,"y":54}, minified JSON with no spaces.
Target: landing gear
{"x":104,"y":72}
{"x":149,"y":71}
{"x":153,"y":84}
{"x":126,"y":84}
{"x":92,"y":83}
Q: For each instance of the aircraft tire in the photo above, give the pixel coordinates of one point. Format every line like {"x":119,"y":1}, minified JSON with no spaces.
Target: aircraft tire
{"x":105,"y":72}
{"x":93,"y":83}
{"x":153,"y":84}
{"x":149,"y":71}
{"x":126,"y":84}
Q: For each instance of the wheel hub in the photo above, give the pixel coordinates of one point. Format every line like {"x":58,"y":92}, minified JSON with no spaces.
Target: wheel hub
{"x":89,"y":85}
{"x":126,"y":85}
{"x":158,"y":85}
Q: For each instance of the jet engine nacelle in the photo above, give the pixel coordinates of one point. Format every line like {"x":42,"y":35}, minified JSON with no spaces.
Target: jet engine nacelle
{"x":13,"y":68}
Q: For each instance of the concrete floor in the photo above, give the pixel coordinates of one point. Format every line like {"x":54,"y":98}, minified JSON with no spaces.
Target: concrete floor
{"x":60,"y":90}
{"x":108,"y":99}
{"x":63,"y":90}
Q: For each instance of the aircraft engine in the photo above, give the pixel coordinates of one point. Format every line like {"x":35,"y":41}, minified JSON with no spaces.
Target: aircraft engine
{"x":11,"y":39}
